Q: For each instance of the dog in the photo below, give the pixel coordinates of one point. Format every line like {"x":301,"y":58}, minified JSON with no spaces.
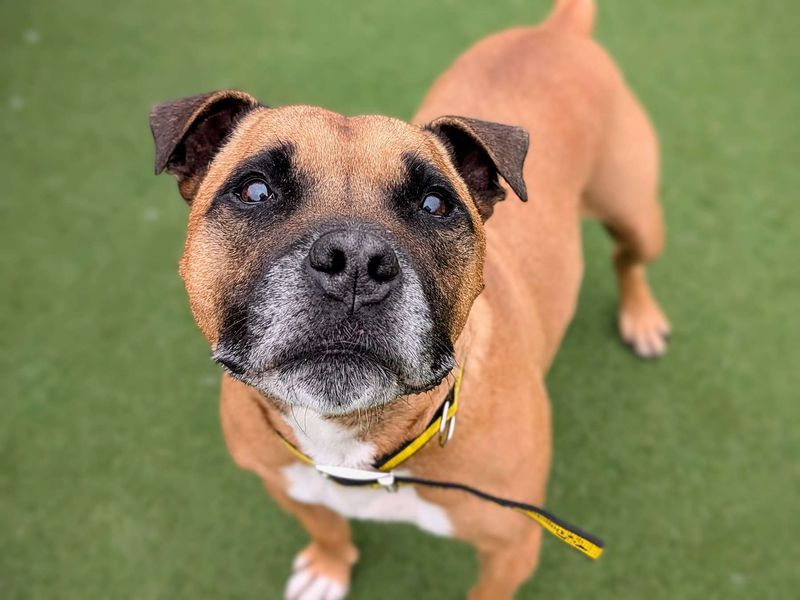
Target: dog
{"x":346,"y":271}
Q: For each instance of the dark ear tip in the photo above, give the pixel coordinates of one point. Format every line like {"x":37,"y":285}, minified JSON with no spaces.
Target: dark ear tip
{"x":523,"y":189}
{"x":159,"y":165}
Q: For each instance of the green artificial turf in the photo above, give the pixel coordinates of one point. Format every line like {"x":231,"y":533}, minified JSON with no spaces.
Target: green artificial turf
{"x":114,"y":479}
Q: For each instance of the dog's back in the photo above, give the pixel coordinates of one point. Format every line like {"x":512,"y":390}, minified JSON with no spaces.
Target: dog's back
{"x":592,"y":149}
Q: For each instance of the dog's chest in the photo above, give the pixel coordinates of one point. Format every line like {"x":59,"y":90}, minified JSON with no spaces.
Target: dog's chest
{"x":330,"y":444}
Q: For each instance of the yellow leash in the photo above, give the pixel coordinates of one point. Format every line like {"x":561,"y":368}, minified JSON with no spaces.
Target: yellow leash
{"x":444,"y":425}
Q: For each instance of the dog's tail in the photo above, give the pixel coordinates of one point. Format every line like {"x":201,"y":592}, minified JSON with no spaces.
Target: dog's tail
{"x":576,"y":15}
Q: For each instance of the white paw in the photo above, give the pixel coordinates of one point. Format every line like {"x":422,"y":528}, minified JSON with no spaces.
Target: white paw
{"x":645,"y":329}
{"x":307,"y":583}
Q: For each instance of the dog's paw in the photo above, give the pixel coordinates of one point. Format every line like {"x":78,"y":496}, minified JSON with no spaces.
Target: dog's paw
{"x":320,"y":575}
{"x":644,"y":327}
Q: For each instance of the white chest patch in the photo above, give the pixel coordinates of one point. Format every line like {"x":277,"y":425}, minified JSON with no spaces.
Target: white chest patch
{"x":328,"y":443}
{"x":307,"y":485}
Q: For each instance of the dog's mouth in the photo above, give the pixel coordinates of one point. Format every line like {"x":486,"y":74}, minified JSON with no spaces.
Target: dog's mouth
{"x":336,"y":353}
{"x":326,"y":356}
{"x":290,"y":359}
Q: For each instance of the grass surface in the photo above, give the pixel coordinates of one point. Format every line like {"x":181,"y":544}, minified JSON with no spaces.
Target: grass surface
{"x":114,"y":480}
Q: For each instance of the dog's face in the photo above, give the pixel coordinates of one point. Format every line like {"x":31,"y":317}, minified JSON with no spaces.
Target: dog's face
{"x":331,"y":261}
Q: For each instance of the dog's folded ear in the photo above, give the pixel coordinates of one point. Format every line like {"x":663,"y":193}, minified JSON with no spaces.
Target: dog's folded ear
{"x":188,"y":132}
{"x":482,"y":150}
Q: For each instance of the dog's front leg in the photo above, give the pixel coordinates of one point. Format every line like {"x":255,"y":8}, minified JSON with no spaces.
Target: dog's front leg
{"x":507,"y":542}
{"x":505,"y":567}
{"x":322,"y":569}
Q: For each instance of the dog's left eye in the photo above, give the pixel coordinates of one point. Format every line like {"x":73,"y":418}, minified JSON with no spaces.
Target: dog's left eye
{"x":435,"y":205}
{"x":256,"y":191}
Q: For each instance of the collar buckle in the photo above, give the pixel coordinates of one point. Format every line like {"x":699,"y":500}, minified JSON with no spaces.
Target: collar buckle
{"x":385,"y":480}
{"x":447,"y":425}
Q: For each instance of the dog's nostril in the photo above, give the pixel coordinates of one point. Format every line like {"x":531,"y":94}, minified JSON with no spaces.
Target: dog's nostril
{"x":383,"y":267}
{"x":328,"y":260}
{"x":338,"y":261}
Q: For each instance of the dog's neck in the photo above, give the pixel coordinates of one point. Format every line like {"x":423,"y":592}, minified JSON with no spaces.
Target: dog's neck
{"x":357,"y":439}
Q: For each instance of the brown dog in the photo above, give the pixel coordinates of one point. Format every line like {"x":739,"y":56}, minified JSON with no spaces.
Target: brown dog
{"x":340,"y":269}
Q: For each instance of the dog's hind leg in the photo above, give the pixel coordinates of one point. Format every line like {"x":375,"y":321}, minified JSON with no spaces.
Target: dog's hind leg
{"x":322,"y":569}
{"x":623,"y":195}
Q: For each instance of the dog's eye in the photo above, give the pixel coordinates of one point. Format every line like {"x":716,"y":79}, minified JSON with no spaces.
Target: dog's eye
{"x":435,"y":205}
{"x":256,"y":191}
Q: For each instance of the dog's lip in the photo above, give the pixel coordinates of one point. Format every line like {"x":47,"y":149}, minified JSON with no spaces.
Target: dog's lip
{"x":320,"y":352}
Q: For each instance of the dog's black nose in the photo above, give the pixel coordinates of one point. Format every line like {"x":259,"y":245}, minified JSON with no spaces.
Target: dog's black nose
{"x":354,"y":267}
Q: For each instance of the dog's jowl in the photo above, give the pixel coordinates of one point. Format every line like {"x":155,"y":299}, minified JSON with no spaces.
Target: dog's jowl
{"x":363,"y":290}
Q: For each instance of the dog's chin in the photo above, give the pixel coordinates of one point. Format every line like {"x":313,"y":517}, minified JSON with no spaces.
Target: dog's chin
{"x":333,"y":381}
{"x":330,"y":385}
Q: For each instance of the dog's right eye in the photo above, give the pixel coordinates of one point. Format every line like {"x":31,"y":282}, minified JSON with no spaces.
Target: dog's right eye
{"x":256,"y":191}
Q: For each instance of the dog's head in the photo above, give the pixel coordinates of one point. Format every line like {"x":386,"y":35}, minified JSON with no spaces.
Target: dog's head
{"x":331,"y":261}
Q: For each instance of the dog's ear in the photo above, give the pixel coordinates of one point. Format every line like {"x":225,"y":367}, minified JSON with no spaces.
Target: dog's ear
{"x":482,"y":150}
{"x":188,"y":132}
